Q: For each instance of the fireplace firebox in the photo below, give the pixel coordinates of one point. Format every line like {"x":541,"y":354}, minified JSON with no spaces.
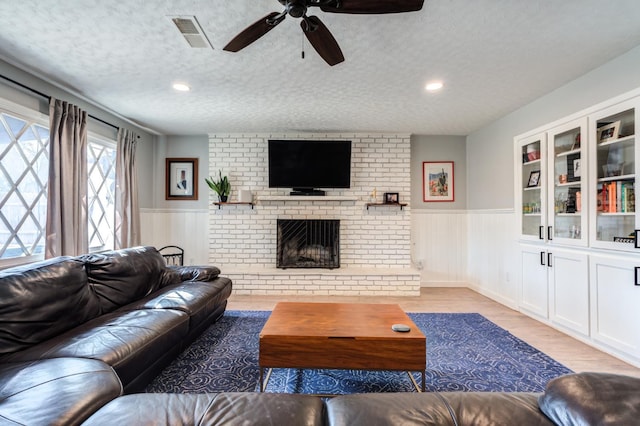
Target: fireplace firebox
{"x":308,"y":243}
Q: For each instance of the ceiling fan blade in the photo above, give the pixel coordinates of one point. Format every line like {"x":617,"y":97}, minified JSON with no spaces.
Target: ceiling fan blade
{"x":322,"y":40}
{"x":373,"y":6}
{"x":254,"y":32}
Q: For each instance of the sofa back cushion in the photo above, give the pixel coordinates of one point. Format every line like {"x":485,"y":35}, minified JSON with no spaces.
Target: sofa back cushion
{"x":41,"y":300}
{"x":122,"y":276}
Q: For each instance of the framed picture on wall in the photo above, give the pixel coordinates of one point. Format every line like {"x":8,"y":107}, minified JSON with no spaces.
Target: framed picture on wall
{"x":437,"y":181}
{"x":181,"y":176}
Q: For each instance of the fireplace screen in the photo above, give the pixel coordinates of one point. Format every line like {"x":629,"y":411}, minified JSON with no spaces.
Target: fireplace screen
{"x":308,"y":244}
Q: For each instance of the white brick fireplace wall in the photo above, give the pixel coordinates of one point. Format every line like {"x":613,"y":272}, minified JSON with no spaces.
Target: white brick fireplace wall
{"x":375,"y":243}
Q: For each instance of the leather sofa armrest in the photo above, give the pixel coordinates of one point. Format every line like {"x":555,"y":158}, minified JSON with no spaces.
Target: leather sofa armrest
{"x":592,"y":398}
{"x":198,"y":273}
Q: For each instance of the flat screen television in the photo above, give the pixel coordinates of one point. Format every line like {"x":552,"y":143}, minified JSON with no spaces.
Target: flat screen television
{"x":306,"y":165}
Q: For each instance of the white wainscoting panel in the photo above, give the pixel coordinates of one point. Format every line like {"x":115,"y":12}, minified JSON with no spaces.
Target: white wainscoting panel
{"x":493,"y":255}
{"x":188,"y":229}
{"x":439,"y":242}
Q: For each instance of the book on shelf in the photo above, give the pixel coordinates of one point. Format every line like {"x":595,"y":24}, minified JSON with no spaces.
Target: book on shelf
{"x":616,"y":197}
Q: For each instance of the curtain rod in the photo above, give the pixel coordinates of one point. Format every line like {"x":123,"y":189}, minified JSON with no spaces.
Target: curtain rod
{"x":48,"y":97}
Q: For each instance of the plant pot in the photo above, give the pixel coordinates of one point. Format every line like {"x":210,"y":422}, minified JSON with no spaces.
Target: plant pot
{"x":223,"y":198}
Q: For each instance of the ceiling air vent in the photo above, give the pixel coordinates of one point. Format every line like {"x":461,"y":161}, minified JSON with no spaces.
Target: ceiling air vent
{"x":191,"y":31}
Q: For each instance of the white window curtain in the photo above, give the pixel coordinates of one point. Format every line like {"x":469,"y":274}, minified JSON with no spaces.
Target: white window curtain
{"x":66,"y":228}
{"x":127,"y":209}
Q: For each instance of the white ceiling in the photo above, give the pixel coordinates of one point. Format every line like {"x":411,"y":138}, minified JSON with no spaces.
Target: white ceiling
{"x":493,"y":55}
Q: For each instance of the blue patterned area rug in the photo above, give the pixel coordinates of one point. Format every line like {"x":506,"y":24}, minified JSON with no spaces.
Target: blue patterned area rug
{"x":465,"y":352}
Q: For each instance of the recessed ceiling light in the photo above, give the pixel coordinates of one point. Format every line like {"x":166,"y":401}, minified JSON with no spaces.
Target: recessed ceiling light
{"x":181,"y":87}
{"x":433,"y":86}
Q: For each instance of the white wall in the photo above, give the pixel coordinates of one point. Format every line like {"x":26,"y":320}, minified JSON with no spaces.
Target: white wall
{"x":490,"y":149}
{"x":439,"y":148}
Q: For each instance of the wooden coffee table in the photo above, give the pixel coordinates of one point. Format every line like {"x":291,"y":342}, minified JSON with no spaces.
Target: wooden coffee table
{"x":341,"y":336}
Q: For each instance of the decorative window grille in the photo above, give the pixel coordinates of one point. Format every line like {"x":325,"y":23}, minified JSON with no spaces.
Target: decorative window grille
{"x":101,"y":170}
{"x":24,"y":164}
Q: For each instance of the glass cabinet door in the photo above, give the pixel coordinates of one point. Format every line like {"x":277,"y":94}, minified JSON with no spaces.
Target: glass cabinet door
{"x":614,"y":159}
{"x":532,"y":187}
{"x":567,"y":179}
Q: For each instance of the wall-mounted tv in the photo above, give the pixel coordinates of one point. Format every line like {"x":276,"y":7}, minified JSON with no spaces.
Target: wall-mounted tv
{"x":307,"y":165}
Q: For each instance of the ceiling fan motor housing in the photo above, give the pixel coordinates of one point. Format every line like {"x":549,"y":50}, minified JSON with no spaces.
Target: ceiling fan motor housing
{"x":296,"y":8}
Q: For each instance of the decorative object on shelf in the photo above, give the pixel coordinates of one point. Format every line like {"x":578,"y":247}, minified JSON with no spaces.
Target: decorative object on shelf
{"x":222,"y":186}
{"x":576,"y":142}
{"x":391,"y":198}
{"x":611,"y":170}
{"x":373,"y":196}
{"x":608,"y":132}
{"x":245,"y":196}
{"x":574,"y":171}
{"x":562,"y":178}
{"x":534,"y":179}
{"x":181,"y":175}
{"x":437,"y":181}
{"x":532,"y":152}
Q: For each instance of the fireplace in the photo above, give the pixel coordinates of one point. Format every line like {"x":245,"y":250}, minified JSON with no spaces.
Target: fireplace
{"x":309,"y":243}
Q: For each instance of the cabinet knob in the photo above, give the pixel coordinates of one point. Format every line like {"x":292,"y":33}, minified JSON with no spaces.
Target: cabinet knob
{"x":636,"y":281}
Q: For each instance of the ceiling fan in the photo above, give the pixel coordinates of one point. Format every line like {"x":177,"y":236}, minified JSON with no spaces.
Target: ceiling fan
{"x":317,"y":33}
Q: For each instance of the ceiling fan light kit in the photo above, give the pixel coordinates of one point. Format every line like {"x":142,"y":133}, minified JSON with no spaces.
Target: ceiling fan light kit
{"x":316,"y":32}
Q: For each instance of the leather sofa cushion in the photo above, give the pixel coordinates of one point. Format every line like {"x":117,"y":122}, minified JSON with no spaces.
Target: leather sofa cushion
{"x":592,"y":398}
{"x":63,"y":391}
{"x":127,"y":341}
{"x":198,"y":299}
{"x":42,"y":300}
{"x":441,"y":409}
{"x":248,"y":408}
{"x":123,"y":276}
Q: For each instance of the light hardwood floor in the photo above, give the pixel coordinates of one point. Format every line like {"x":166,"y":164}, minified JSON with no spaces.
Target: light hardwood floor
{"x":572,"y":353}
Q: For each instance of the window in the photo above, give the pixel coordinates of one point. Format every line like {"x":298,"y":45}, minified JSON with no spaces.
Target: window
{"x":24,"y":168}
{"x":101,"y":170}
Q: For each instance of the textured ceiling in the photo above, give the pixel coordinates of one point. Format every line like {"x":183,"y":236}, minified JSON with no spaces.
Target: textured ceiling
{"x":493,"y":55}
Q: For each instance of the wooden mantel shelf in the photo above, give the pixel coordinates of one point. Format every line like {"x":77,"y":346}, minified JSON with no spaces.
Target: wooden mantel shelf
{"x":307,"y":198}
{"x":401,"y":205}
{"x":236,"y":203}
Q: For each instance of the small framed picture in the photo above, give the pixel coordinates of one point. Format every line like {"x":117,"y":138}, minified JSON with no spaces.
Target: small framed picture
{"x":181,"y":179}
{"x":534,"y":179}
{"x":391,"y":198}
{"x":608,"y":132}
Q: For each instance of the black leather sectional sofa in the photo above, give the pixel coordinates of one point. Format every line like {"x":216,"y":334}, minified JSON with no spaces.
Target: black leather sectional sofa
{"x":79,"y":335}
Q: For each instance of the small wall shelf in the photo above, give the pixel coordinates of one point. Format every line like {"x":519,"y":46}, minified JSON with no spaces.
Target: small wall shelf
{"x":233,"y":204}
{"x":401,"y":205}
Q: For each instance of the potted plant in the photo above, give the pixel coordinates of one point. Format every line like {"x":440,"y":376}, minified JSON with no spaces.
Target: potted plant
{"x":221,"y":186}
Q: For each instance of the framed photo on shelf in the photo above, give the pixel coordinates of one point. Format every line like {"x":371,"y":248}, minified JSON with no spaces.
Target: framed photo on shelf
{"x":437,"y":181}
{"x":534,"y":179}
{"x":608,"y":132}
{"x":574,"y":169}
{"x":181,"y":175}
{"x":391,"y":198}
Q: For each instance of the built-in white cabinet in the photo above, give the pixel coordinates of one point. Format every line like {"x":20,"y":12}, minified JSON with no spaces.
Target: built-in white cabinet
{"x":534,"y":286}
{"x":551,"y":180}
{"x":555,"y":287}
{"x":615,"y":307}
{"x":578,"y":227}
{"x":613,"y":157}
{"x":569,"y":290}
